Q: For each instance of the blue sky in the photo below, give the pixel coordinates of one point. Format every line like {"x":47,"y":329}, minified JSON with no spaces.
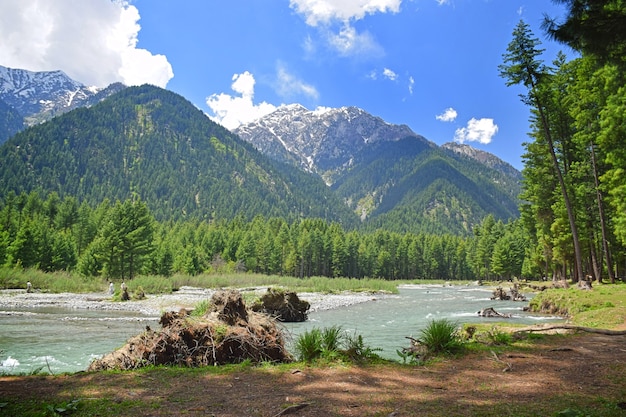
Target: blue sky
{"x":429,"y":64}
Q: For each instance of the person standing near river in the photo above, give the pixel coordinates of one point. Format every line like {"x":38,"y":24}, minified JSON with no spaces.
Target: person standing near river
{"x":111,"y":288}
{"x":29,"y":287}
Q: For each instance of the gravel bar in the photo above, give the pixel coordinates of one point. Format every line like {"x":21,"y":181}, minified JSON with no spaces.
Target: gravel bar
{"x":185,"y":297}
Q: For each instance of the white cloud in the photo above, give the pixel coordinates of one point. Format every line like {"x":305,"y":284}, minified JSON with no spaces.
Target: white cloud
{"x":443,"y":2}
{"x":411,"y":84}
{"x":389,"y":74}
{"x":477,"y":130}
{"x":94,"y":42}
{"x":346,"y":40}
{"x":449,"y":115}
{"x":325,"y":11}
{"x":290,"y":86}
{"x":349,"y":42}
{"x":232,"y":111}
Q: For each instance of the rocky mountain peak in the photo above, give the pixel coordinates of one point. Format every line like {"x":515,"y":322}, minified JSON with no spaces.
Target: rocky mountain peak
{"x":38,"y":96}
{"x":324,"y":141}
{"x":485,"y":158}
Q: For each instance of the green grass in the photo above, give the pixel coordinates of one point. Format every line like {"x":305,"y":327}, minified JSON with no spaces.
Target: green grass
{"x":441,"y":336}
{"x":59,"y":282}
{"x":332,"y":344}
{"x":603,"y":307}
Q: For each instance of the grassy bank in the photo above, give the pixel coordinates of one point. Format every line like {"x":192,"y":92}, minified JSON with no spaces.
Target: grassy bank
{"x":603,"y":307}
{"x":60,"y":282}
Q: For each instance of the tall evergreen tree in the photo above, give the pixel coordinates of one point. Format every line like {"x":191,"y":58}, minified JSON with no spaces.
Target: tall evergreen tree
{"x":523,"y":66}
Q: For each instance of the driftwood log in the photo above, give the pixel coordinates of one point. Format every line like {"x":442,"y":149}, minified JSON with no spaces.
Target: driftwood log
{"x":514,"y":294}
{"x":570,"y":327}
{"x":491,"y":312}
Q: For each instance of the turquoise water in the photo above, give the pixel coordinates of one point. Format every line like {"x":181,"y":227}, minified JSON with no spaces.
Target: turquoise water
{"x":63,"y":340}
{"x":387,"y":323}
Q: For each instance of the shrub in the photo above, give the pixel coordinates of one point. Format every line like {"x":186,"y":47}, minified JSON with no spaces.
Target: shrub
{"x":309,"y":345}
{"x":441,"y":336}
{"x":332,"y":339}
{"x":332,"y":343}
{"x":498,"y":337}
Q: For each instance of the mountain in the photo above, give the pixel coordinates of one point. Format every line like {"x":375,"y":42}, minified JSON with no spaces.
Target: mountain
{"x":388,"y":175}
{"x":325,"y":141}
{"x":39,"y":96}
{"x":485,"y":158}
{"x":151,"y":143}
{"x":11,"y":121}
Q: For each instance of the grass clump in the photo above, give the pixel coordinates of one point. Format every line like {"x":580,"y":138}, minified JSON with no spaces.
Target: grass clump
{"x":333,"y":344}
{"x":441,"y":336}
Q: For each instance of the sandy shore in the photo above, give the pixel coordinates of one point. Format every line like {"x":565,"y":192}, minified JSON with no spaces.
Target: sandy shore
{"x":186,"y":297}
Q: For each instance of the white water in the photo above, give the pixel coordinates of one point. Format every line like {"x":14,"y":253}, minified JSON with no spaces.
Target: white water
{"x":67,"y":340}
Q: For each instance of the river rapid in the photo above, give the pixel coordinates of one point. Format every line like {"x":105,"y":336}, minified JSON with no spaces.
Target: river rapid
{"x":58,"y":333}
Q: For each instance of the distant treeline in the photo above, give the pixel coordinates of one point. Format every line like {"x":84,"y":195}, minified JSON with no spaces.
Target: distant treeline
{"x":123,"y":240}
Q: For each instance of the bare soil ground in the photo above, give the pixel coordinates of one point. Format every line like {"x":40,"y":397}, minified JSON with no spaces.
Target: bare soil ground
{"x":584,"y":374}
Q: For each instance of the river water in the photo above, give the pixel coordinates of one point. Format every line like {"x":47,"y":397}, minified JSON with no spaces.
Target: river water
{"x":66,"y":340}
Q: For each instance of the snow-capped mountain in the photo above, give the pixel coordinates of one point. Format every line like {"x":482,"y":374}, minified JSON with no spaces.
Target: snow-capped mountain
{"x":38,"y":96}
{"x":324,"y":141}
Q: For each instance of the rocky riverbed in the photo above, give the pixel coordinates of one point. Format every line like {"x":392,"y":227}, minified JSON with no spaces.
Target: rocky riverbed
{"x":185,"y":297}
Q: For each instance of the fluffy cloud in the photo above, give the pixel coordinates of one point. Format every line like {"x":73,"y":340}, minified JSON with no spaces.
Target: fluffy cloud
{"x":232,"y":111}
{"x":94,"y":42}
{"x":325,"y":11}
{"x":389,"y":74}
{"x":477,"y":130}
{"x":345,"y":39}
{"x":411,"y":84}
{"x":449,"y":115}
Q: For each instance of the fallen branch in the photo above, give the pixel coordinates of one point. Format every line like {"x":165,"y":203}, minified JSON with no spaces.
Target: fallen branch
{"x":292,"y":409}
{"x":570,"y":327}
{"x":509,"y":366}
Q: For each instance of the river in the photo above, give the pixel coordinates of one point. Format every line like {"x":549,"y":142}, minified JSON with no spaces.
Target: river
{"x":52,"y":339}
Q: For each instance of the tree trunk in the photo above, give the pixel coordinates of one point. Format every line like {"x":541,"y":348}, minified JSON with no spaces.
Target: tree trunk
{"x":568,"y":204}
{"x":605,"y":240}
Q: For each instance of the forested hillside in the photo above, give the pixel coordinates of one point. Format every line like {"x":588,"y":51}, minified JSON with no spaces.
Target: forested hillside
{"x":10,"y":121}
{"x":151,"y":143}
{"x":407,"y":185}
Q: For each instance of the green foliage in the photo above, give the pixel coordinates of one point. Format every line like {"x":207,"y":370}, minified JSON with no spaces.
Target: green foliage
{"x":441,"y":336}
{"x":573,"y":194}
{"x":201,"y":308}
{"x":63,"y":409}
{"x":332,"y":344}
{"x":308,"y":345}
{"x":604,"y":306}
{"x":499,"y":337}
{"x":148,"y":143}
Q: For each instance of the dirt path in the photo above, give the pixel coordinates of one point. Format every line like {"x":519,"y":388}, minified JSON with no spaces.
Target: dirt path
{"x":583,"y":373}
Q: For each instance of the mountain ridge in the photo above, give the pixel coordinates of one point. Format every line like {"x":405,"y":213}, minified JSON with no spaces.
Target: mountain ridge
{"x":154,"y":144}
{"x":322,"y":141}
{"x":371,"y":169}
{"x":38,"y":96}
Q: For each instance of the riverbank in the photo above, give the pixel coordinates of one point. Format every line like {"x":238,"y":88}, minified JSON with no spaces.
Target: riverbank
{"x":581,"y":375}
{"x":185,"y":297}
